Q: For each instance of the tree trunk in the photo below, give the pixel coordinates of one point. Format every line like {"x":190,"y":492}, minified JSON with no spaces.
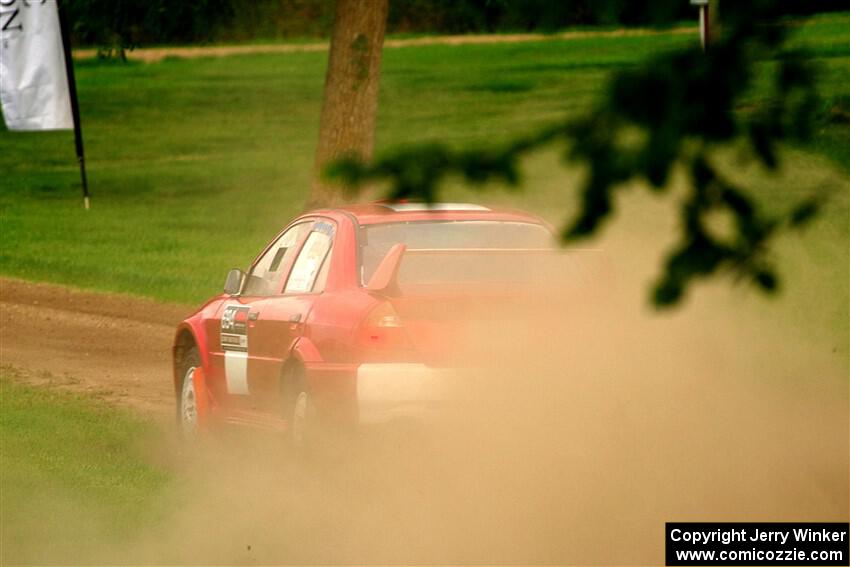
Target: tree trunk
{"x":350,"y":104}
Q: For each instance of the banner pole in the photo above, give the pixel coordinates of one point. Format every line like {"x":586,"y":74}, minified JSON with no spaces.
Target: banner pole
{"x":72,"y":92}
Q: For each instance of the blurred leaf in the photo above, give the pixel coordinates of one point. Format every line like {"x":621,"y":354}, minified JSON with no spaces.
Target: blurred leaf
{"x":766,"y":280}
{"x":804,"y":212}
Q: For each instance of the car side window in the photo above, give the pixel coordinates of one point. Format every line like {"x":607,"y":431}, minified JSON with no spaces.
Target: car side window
{"x":265,"y":276}
{"x":310,"y":270}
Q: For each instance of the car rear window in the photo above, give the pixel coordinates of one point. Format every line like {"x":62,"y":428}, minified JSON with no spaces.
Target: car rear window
{"x":449,"y":251}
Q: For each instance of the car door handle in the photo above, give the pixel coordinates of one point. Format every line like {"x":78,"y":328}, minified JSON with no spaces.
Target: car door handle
{"x":295,"y":318}
{"x":253,"y":315}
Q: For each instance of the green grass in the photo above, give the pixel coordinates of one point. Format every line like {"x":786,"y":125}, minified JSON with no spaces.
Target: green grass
{"x":72,"y":475}
{"x":194,"y":164}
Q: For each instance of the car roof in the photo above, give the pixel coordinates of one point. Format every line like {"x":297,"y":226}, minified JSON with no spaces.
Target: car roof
{"x":390,"y":212}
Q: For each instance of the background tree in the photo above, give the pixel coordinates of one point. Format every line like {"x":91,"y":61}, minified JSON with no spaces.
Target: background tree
{"x":674,"y":111}
{"x":350,"y":106}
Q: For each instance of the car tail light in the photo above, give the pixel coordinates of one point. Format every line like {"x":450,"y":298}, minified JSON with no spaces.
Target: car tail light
{"x":383,"y":334}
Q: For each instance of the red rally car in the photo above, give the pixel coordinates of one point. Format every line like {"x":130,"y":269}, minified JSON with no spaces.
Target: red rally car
{"x":346,"y":315}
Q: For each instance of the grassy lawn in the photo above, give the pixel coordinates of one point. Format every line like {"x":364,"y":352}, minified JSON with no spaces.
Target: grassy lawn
{"x":72,"y":474}
{"x":194,"y":164}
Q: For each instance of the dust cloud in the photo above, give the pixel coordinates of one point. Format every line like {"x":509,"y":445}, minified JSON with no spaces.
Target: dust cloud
{"x":593,"y":421}
{"x":577,"y":449}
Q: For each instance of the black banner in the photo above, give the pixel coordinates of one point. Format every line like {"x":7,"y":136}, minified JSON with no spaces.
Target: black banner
{"x":742,"y":543}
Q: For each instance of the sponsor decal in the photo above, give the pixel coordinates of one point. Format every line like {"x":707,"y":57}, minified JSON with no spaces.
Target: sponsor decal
{"x":234,"y":343}
{"x":324,"y":228}
{"x":234,"y":328}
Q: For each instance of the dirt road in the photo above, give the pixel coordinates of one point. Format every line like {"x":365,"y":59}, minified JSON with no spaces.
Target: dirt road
{"x":154,"y":54}
{"x":113,"y":346}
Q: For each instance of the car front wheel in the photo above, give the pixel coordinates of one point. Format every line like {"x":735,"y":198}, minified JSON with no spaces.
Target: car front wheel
{"x":187,"y":408}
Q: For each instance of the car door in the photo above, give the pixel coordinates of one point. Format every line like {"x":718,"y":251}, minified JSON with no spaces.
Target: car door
{"x":238,"y":314}
{"x":275,"y":322}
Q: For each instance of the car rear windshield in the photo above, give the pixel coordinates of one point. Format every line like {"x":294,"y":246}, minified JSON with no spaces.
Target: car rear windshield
{"x":453,"y":251}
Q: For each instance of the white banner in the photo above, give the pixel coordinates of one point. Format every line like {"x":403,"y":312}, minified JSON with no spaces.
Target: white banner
{"x":33,"y":80}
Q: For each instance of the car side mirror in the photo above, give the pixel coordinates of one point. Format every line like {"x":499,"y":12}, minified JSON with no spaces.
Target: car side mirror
{"x":233,"y":283}
{"x":384,"y":278}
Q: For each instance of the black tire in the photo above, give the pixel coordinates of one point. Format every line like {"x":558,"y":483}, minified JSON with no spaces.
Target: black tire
{"x":297,"y":406}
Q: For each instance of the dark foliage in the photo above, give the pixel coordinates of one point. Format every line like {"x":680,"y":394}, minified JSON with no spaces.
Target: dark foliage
{"x":672,"y":111}
{"x":464,"y":16}
{"x":119,"y":25}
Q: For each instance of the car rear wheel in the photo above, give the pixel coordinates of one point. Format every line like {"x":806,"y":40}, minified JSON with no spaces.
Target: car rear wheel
{"x":187,"y":405}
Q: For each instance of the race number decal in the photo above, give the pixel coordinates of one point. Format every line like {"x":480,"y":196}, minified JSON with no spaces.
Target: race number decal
{"x":234,"y":328}
{"x":234,"y":343}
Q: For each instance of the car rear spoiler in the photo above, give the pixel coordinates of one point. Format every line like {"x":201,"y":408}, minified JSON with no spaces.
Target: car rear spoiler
{"x":384,"y":279}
